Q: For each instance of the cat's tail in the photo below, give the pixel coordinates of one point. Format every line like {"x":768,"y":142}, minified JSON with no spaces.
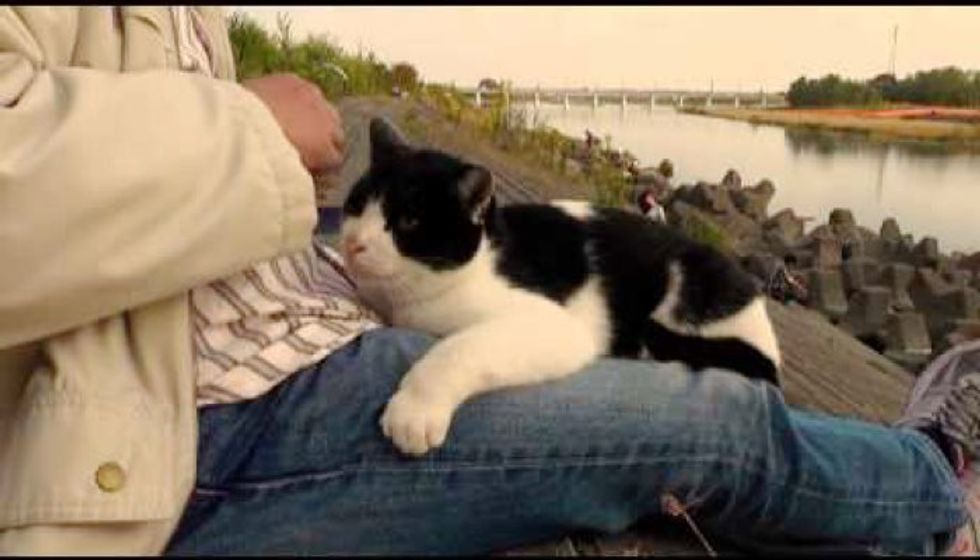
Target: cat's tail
{"x":698,"y":352}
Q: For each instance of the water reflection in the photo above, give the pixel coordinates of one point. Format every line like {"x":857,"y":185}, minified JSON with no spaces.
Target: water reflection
{"x":929,"y":188}
{"x":827,"y":143}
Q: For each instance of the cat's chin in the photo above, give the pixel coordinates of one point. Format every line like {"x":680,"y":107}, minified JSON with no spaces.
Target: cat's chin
{"x":362,"y":274}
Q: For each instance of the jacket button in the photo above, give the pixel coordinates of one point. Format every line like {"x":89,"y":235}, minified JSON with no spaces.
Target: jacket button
{"x":110,"y":477}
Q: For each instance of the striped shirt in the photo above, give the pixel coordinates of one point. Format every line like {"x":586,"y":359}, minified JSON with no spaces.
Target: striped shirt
{"x":254,"y":329}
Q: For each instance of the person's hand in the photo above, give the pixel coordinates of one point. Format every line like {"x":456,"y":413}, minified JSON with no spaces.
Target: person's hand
{"x":309,"y":121}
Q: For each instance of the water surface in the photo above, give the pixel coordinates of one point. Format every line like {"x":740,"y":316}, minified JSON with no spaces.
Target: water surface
{"x":928,"y":189}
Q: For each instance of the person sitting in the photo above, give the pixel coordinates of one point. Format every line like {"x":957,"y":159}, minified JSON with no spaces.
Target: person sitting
{"x":650,"y":208}
{"x":786,"y":286}
{"x":159,"y":393}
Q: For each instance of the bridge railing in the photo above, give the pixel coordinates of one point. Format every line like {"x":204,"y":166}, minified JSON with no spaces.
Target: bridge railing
{"x":630,"y":97}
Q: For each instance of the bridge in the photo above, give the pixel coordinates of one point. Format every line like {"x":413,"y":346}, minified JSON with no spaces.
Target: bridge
{"x":623,"y":97}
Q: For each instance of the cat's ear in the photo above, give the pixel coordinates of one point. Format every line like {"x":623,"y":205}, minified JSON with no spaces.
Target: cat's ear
{"x":386,"y":141}
{"x":476,"y":192}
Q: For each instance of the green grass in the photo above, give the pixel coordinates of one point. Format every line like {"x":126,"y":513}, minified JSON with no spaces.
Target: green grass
{"x":513,"y":130}
{"x":316,"y":58}
{"x":341,"y":73}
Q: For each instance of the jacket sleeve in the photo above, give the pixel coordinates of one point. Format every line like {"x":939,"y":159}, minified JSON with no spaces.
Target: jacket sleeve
{"x":119,"y":189}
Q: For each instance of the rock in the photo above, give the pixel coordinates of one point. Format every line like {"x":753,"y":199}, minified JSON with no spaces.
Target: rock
{"x":804,"y":257}
{"x":708,"y":197}
{"x":860,"y":272}
{"x":941,"y":301}
{"x":897,"y":277}
{"x":826,"y":251}
{"x":908,"y":339}
{"x":827,"y":292}
{"x":841,"y":218}
{"x":957,"y":331}
{"x":822,"y":231}
{"x":784,"y":229}
{"x":731,"y":180}
{"x":926,"y":252}
{"x":890,"y":232}
{"x":744,"y":231}
{"x":946,"y":266}
{"x":871,"y":245}
{"x":867,"y":311}
{"x":928,"y":283}
{"x":971,"y":262}
{"x":957,"y":277}
{"x":761,"y":265}
{"x":754,"y":201}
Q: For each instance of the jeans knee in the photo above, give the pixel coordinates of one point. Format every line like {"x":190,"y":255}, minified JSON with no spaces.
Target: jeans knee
{"x":392,"y":350}
{"x":399,"y":342}
{"x":741,"y":406}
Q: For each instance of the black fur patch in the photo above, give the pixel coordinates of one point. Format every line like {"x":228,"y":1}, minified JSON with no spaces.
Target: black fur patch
{"x":541,"y":249}
{"x":421,"y":203}
{"x":700,"y":353}
{"x":428,"y":200}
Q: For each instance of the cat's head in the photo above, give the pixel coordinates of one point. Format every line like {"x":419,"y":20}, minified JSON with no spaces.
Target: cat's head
{"x":413,"y":210}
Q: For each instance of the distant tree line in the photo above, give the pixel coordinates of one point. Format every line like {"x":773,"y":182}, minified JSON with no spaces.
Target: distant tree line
{"x":316,"y":58}
{"x":940,"y":86}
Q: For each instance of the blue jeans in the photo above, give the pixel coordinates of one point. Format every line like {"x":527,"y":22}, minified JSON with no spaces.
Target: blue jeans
{"x":306,"y":469}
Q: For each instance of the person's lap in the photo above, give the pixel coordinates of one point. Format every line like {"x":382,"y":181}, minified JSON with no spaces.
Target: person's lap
{"x":306,"y":469}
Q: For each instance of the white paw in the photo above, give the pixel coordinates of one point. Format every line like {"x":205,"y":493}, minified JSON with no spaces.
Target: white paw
{"x":414,"y":424}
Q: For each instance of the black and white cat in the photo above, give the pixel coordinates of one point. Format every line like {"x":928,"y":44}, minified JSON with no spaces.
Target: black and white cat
{"x":526,"y":293}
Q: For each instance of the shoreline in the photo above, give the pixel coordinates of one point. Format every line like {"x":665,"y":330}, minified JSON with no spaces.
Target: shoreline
{"x":646,"y":167}
{"x":954,"y":135}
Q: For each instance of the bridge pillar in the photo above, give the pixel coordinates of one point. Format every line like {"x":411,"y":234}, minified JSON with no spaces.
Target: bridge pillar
{"x":653,"y":100}
{"x":736,"y":102}
{"x":479,"y":99}
{"x":624,"y":101}
{"x":680,"y":102}
{"x":568,"y":105}
{"x":595,"y":100}
{"x":537,"y":99}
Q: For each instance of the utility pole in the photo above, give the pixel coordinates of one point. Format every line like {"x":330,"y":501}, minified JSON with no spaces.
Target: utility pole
{"x":891,"y":62}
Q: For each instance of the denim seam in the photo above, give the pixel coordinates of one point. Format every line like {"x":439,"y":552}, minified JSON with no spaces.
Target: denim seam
{"x":470,"y":467}
{"x":933,"y":453}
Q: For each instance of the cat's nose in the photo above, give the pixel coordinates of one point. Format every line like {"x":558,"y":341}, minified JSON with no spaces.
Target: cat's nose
{"x":352,"y":247}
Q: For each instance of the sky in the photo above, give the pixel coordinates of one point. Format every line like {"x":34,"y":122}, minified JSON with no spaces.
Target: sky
{"x":736,"y":48}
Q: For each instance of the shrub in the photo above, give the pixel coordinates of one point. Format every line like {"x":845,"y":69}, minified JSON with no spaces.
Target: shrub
{"x":316,"y":58}
{"x":939,"y":86}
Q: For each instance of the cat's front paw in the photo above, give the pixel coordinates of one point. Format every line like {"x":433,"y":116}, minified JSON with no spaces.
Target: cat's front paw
{"x":415,"y":424}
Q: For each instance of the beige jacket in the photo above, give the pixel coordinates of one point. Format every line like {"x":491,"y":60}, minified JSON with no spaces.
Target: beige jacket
{"x":123,"y":183}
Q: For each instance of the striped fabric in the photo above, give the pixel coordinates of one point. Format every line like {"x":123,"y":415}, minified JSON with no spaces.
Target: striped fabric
{"x":255,"y":328}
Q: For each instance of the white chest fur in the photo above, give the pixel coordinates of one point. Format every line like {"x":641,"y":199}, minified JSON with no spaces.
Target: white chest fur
{"x":477,"y":293}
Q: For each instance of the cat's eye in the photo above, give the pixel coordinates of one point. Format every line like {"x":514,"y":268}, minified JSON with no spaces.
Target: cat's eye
{"x":406,"y":223}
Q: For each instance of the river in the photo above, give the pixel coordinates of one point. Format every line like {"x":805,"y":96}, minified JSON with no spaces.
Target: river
{"x":930,"y":191}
